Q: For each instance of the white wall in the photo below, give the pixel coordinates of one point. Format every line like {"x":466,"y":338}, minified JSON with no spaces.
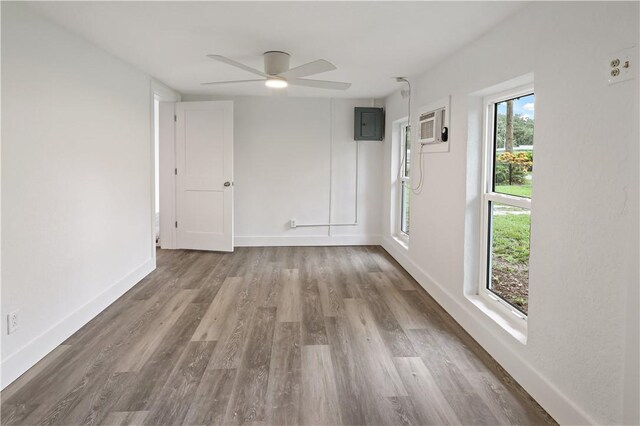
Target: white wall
{"x":288,"y":154}
{"x":76,"y":183}
{"x":580,"y":360}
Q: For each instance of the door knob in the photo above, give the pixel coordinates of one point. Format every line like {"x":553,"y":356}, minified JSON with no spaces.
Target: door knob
{"x":227,"y":183}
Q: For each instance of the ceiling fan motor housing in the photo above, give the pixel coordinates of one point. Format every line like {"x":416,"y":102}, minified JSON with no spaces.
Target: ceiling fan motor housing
{"x":276,"y":62}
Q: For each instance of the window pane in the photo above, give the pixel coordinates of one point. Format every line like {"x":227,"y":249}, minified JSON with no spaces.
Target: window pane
{"x":404,"y":213}
{"x":509,"y":253}
{"x":513,"y":146}
{"x":407,"y":150}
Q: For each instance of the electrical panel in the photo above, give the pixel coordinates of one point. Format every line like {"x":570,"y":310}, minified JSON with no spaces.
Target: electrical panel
{"x":368,"y":124}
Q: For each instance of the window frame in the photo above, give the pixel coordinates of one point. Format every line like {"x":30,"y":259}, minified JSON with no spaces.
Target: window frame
{"x":404,"y":181}
{"x":489,"y":196}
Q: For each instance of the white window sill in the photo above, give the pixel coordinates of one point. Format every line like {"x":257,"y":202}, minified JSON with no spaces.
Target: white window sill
{"x":513,"y":325}
{"x":404,"y":244}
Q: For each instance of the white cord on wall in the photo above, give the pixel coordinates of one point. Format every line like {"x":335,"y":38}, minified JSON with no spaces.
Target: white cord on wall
{"x":418,"y":189}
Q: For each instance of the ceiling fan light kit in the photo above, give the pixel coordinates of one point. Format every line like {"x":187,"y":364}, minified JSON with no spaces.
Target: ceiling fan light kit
{"x":278,"y":75}
{"x":276,"y":83}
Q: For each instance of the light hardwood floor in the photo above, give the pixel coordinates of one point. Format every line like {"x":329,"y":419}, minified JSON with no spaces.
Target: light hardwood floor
{"x":286,"y":335}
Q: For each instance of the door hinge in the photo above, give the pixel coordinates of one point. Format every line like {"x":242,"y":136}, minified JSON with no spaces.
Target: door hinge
{"x":175,"y":118}
{"x":176,"y":223}
{"x":175,"y":171}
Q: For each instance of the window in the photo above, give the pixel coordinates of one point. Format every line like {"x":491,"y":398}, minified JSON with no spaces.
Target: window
{"x":508,"y":181}
{"x":404,"y":181}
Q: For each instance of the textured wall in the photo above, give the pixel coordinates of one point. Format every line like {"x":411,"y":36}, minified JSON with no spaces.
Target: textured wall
{"x":584,"y":243}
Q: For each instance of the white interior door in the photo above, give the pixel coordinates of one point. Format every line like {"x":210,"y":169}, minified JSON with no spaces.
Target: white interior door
{"x":204,"y":159}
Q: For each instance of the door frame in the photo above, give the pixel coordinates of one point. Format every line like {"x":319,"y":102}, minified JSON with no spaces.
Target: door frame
{"x":166,"y":156}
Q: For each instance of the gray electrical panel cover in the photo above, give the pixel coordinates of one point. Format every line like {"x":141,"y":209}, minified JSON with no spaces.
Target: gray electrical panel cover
{"x":368,"y":124}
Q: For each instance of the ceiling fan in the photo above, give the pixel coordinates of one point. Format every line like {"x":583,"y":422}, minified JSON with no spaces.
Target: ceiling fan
{"x":277,"y":73}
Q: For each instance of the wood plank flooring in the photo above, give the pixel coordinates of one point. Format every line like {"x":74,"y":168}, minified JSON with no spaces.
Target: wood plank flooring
{"x":271,"y":335}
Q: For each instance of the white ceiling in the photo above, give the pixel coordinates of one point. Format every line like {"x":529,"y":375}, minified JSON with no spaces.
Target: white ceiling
{"x":369,"y":42}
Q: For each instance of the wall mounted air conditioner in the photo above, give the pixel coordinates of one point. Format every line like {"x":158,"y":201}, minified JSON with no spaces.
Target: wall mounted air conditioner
{"x":433,"y":127}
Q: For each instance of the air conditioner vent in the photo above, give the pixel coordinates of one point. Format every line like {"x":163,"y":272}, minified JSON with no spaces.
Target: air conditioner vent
{"x":426,"y":129}
{"x":431,"y":125}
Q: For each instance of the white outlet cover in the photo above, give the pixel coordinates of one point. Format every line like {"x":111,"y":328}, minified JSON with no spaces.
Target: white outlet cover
{"x":626,"y":56}
{"x":12,"y":322}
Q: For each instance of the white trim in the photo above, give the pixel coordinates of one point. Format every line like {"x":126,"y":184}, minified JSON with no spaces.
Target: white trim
{"x":398,"y":144}
{"x":505,"y":95}
{"x":152,"y":114}
{"x":490,"y":301}
{"x":404,"y":182}
{"x":488,"y":102}
{"x":511,"y":200}
{"x":26,"y":357}
{"x":492,"y":338}
{"x":166,"y":93}
{"x":487,"y":134}
{"x":403,"y":237}
{"x":316,"y":240}
{"x":501,"y":313}
{"x":399,"y":243}
{"x":166,"y":114}
{"x":167,"y":164}
{"x":1,"y":369}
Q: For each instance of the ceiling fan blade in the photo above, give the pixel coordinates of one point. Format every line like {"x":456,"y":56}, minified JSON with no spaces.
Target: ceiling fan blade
{"x":237,"y":64}
{"x":315,"y":67}
{"x":229,"y":82}
{"x":320,"y":84}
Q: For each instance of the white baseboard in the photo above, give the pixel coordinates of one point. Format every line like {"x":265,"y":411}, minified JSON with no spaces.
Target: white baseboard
{"x":557,"y":404}
{"x":334,"y":240}
{"x":26,"y":357}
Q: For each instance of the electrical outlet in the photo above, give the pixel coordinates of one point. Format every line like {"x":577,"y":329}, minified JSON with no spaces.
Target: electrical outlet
{"x":12,"y":322}
{"x":292,"y":223}
{"x":620,"y":66}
